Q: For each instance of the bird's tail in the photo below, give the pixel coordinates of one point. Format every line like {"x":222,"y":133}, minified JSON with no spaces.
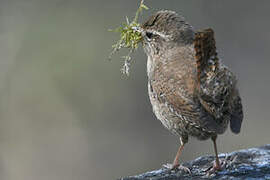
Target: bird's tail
{"x":206,"y":55}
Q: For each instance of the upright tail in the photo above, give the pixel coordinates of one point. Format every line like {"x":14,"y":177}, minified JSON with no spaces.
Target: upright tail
{"x":206,"y":55}
{"x":216,"y":85}
{"x":213,"y":84}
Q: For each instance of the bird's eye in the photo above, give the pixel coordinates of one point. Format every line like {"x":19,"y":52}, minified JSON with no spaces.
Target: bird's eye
{"x":149,"y":35}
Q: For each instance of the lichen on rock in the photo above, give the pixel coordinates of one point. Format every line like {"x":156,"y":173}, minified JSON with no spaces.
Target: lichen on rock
{"x":253,"y":163}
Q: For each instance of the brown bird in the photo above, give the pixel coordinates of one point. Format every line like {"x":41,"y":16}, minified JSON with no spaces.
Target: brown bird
{"x":192,"y":93}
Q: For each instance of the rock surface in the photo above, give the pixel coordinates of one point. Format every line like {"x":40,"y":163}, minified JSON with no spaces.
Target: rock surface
{"x":248,"y":164}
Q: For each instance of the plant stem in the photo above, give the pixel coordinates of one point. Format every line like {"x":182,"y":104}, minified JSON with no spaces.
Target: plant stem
{"x":138,"y":12}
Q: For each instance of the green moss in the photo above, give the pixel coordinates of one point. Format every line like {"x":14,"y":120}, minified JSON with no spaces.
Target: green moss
{"x":130,"y":37}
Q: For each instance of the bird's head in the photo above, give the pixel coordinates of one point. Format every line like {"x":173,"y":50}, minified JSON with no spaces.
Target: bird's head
{"x":164,"y":30}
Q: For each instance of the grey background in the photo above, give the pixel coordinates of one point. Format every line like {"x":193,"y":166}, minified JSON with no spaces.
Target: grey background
{"x":68,"y":113}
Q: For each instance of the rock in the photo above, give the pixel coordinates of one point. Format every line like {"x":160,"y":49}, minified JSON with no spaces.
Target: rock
{"x":251,"y":163}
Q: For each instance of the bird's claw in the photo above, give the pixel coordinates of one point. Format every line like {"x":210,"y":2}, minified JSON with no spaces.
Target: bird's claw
{"x":215,"y":168}
{"x":177,"y":167}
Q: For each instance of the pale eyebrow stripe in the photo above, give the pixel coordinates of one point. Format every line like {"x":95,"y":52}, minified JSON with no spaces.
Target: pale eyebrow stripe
{"x":160,"y":34}
{"x":138,"y":29}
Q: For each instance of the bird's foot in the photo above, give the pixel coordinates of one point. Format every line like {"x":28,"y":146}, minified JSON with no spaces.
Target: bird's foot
{"x":216,"y":167}
{"x":177,"y":167}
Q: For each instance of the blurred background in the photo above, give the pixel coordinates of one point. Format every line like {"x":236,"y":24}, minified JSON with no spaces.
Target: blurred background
{"x":67,"y":113}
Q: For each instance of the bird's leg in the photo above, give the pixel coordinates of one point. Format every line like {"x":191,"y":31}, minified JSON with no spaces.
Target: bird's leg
{"x":176,"y":164}
{"x":177,"y":156}
{"x":217,"y":165}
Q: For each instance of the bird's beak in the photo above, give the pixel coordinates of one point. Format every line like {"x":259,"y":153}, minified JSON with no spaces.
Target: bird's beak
{"x":140,"y":30}
{"x":143,"y":34}
{"x":137,"y":29}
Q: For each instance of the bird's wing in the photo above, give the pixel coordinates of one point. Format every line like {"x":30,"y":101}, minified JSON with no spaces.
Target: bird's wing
{"x":216,"y":85}
{"x":174,"y":84}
